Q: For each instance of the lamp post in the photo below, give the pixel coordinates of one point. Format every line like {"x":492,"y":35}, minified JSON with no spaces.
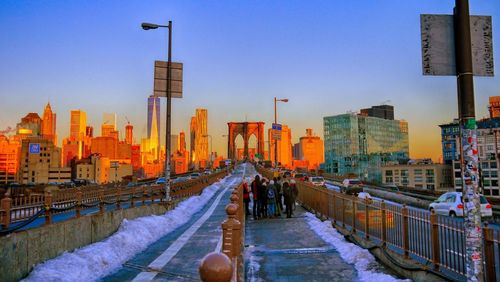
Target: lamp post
{"x":148,"y":26}
{"x":276,"y":121}
{"x":210,"y":155}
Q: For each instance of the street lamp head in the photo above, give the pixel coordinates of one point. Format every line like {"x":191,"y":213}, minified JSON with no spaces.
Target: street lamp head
{"x":148,"y":26}
{"x":284,"y":100}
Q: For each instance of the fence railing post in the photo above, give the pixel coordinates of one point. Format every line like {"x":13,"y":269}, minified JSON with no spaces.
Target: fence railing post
{"x":216,"y":267}
{"x":353,"y":201}
{"x":489,"y":253}
{"x":132,"y":196}
{"x":367,"y":218}
{"x":384,"y":223}
{"x":435,"y":240}
{"x":343,"y":212}
{"x":101,"y":200}
{"x":231,"y":229}
{"x":119,"y":197}
{"x":334,"y":213}
{"x":406,"y":237}
{"x":6,"y":204}
{"x":48,"y":208}
{"x":79,"y":196}
{"x":144,"y":193}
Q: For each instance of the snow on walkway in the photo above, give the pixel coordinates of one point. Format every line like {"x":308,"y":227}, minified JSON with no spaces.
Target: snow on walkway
{"x":97,"y":260}
{"x":362,"y":259}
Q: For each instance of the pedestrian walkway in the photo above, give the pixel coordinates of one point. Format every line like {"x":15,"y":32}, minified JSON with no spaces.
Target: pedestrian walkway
{"x":176,"y":256}
{"x":286,"y":249}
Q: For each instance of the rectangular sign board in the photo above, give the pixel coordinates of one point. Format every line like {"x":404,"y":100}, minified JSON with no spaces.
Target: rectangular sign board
{"x":276,"y":130}
{"x":34,"y":148}
{"x":114,"y":164}
{"x":438,"y":45}
{"x":160,"y":79}
{"x":276,"y":126}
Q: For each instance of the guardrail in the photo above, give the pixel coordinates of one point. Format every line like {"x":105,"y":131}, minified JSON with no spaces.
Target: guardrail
{"x":228,"y":265}
{"x":436,"y":242}
{"x":16,"y":213}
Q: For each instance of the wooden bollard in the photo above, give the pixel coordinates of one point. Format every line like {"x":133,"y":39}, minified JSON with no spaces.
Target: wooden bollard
{"x":216,"y":267}
{"x":6,"y":204}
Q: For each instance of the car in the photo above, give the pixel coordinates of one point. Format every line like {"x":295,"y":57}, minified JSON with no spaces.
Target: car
{"x":301,"y":176}
{"x":180,"y":179}
{"x":364,"y":195}
{"x":351,"y":186}
{"x":317,"y":181}
{"x":451,"y":204}
{"x":195,"y":175}
{"x":160,"y":180}
{"x":207,"y":172}
{"x":390,"y":186}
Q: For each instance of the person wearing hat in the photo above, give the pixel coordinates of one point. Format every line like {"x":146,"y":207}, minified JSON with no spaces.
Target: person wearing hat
{"x":271,"y":199}
{"x":246,"y":196}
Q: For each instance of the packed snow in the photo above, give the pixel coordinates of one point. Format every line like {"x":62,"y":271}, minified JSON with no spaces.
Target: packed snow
{"x":97,"y":260}
{"x":362,"y":259}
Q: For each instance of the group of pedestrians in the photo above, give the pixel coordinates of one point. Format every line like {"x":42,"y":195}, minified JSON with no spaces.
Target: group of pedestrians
{"x":270,"y":198}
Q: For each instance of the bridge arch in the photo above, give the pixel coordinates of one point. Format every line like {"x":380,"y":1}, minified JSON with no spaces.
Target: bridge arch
{"x":245,"y":129}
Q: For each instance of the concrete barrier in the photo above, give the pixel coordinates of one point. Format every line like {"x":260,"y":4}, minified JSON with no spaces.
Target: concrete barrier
{"x":21,"y":251}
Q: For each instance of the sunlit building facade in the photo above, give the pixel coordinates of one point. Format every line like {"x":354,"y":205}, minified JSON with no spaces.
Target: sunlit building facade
{"x":199,"y":138}
{"x":9,"y":159}
{"x":311,"y":150}
{"x":154,"y":125}
{"x":78,"y":125}
{"x":285,"y":156}
{"x":360,"y":145}
{"x":49,"y":124}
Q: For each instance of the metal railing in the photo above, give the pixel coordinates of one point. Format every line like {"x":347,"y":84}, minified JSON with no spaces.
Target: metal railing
{"x":436,"y":242}
{"x":17,"y":212}
{"x":228,"y":264}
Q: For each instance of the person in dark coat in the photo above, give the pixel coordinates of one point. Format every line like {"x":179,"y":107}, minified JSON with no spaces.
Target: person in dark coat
{"x":295,"y":193}
{"x":263,"y":199}
{"x":246,"y":196}
{"x":288,"y":194}
{"x":279,"y":194}
{"x":255,"y":195}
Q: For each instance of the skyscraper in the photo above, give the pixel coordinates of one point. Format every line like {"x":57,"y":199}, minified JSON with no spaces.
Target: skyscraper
{"x":129,"y":134}
{"x":49,"y":124}
{"x":154,"y":122}
{"x":311,"y":149}
{"x":360,"y":145}
{"x":199,"y":138}
{"x":284,"y":146}
{"x":78,"y":125}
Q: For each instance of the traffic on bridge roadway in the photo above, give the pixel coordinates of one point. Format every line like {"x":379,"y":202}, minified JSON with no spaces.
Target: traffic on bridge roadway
{"x":171,"y":246}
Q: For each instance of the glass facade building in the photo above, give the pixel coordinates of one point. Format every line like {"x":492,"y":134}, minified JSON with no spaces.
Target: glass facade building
{"x":361,"y":145}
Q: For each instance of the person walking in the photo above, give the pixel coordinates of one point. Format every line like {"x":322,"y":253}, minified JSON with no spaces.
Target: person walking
{"x":295,"y":194}
{"x":255,"y":195}
{"x":280,"y":193}
{"x":277,"y":199}
{"x":271,"y":199}
{"x":263,"y":199}
{"x":288,"y":194}
{"x":246,"y":197}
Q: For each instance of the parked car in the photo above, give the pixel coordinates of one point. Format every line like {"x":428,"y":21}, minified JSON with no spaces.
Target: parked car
{"x":317,"y":181}
{"x":207,"y":172}
{"x":180,"y":179}
{"x":351,"y":186}
{"x":451,"y":204}
{"x":195,"y":175}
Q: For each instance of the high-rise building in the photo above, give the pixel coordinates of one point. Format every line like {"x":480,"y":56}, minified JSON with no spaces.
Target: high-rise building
{"x":30,"y":126}
{"x":359,"y":145}
{"x":192,"y":139}
{"x":494,"y":106}
{"x":89,"y":131}
{"x":49,"y":124}
{"x":129,"y":134}
{"x":311,"y":149}
{"x":9,"y":159}
{"x":174,"y":143}
{"x":450,"y":133}
{"x":381,"y":111}
{"x":284,"y":146}
{"x":109,"y":119}
{"x":78,"y":125}
{"x":154,"y":123}
{"x":182,"y":141}
{"x":106,"y":146}
{"x":41,"y":162}
{"x":199,"y":138}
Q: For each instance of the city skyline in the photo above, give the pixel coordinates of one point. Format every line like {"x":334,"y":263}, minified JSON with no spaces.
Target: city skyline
{"x":347,"y":74}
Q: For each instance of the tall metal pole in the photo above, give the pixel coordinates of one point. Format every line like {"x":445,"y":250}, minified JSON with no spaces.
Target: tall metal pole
{"x":272,"y":135}
{"x":468,"y":130}
{"x":169,"y":108}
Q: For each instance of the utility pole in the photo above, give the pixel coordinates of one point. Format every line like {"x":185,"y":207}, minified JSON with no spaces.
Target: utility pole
{"x":469,"y":150}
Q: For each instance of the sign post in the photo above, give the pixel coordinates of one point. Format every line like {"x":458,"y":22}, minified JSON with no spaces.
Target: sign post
{"x":452,"y":46}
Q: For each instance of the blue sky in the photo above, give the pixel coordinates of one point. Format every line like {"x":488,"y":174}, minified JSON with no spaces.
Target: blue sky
{"x":327,"y":57}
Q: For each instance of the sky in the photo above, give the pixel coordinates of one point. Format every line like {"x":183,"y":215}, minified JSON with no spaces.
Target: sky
{"x":326,"y":57}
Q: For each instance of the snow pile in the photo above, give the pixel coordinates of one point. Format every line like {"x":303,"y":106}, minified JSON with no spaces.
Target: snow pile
{"x":97,"y":260}
{"x":362,"y":260}
{"x":253,"y":268}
